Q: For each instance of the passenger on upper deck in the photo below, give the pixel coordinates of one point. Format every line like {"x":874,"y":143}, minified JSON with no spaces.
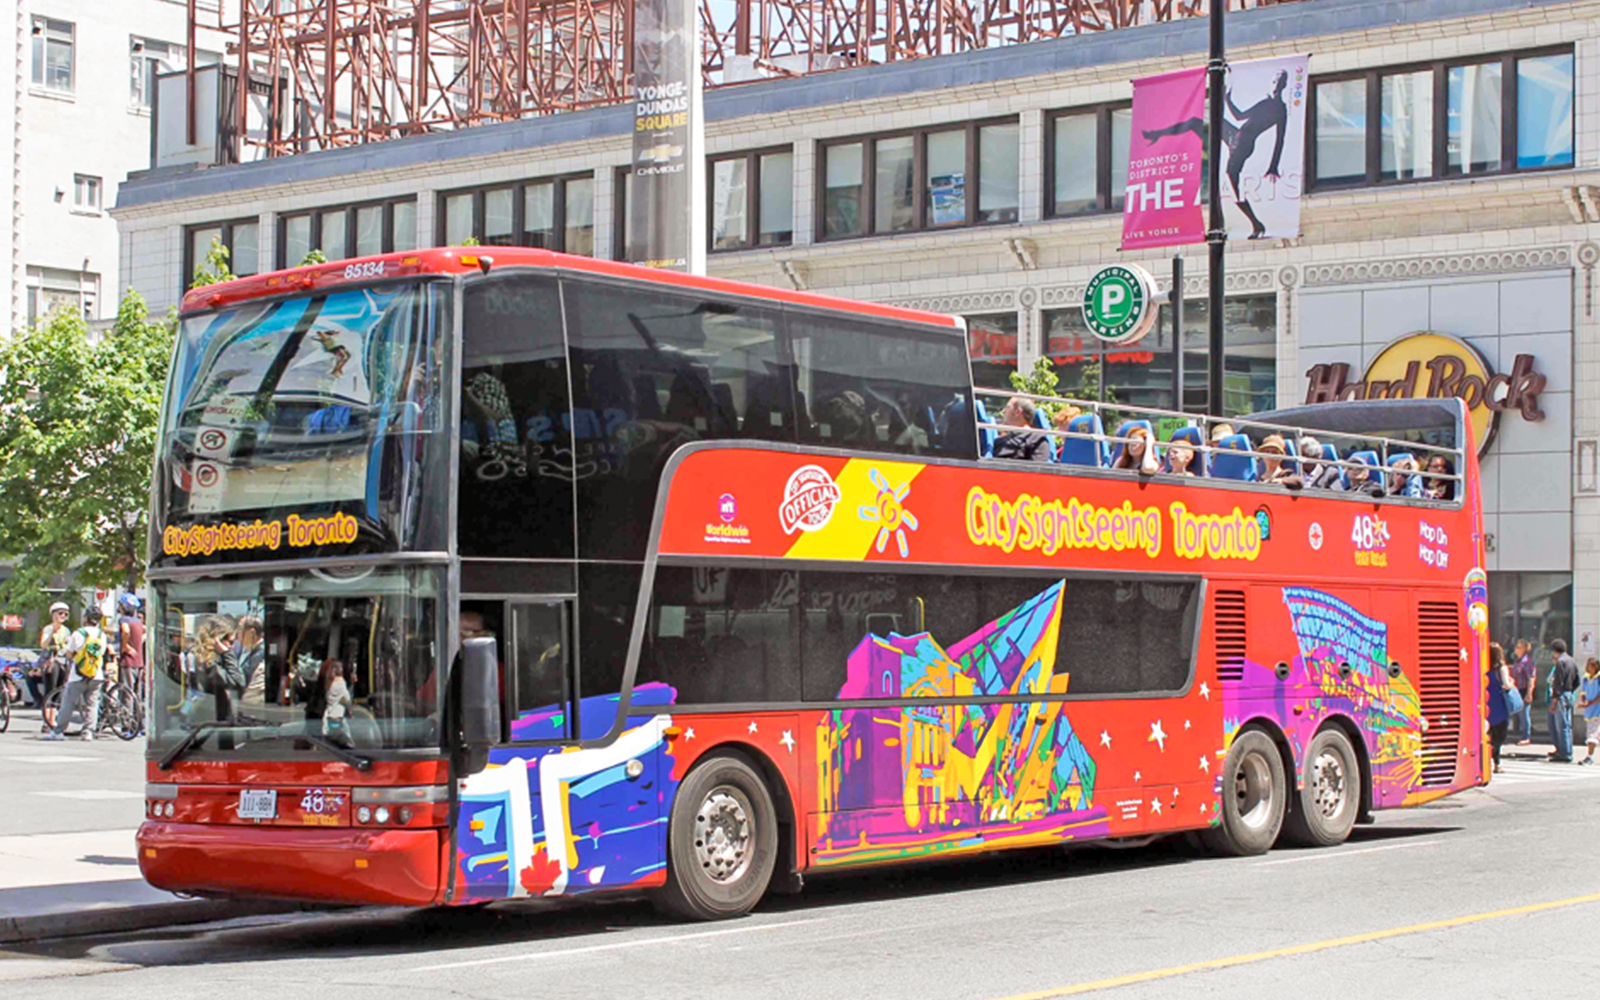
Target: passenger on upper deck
{"x":1437,"y":488}
{"x":1401,"y":473}
{"x":1137,"y":451}
{"x":1180,"y":458}
{"x":1274,"y":469}
{"x":1020,"y":445}
{"x":1064,"y":416}
{"x":1358,"y":478}
{"x":1317,"y":475}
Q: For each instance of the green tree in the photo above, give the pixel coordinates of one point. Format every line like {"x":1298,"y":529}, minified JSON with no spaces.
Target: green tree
{"x":78,"y":429}
{"x":313,"y":257}
{"x":214,"y":269}
{"x":1041,"y":380}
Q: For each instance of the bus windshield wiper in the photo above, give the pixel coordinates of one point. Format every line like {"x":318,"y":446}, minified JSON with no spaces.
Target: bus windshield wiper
{"x":339,"y":750}
{"x":195,"y":737}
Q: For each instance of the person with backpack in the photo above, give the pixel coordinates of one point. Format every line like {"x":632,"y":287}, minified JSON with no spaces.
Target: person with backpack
{"x":86,"y":656}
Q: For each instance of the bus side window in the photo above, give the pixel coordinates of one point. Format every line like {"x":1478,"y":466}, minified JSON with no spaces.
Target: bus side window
{"x":539,"y":670}
{"x":879,"y":387}
{"x":657,"y":370}
{"x":517,"y":455}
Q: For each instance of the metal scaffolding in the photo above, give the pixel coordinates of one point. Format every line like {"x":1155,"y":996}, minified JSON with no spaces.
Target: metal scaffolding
{"x":357,"y":71}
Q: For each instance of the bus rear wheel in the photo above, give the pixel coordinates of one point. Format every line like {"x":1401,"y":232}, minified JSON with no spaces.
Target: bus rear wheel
{"x":1325,"y":810}
{"x":722,"y":842}
{"x":1253,"y":797}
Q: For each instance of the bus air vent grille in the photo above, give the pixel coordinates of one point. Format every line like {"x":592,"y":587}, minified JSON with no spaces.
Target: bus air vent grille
{"x":1439,"y":667}
{"x":1228,"y":634}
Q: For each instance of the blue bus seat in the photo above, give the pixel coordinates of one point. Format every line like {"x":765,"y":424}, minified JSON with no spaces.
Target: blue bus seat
{"x":1192,"y":437}
{"x":1243,"y":467}
{"x":1126,"y":428}
{"x":1082,"y":451}
{"x":986,"y":435}
{"x":1042,"y":421}
{"x":1413,"y":486}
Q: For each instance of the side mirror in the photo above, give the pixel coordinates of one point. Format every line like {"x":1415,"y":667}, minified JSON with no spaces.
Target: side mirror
{"x":480,"y":693}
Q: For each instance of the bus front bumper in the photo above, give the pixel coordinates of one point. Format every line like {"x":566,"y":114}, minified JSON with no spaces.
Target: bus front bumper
{"x":394,"y":867}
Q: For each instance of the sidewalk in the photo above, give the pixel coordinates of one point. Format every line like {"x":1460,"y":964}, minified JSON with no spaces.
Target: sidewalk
{"x":67,"y":856}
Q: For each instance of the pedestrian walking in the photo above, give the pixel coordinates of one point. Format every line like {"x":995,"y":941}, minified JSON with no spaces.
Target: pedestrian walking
{"x":1498,"y":681}
{"x":86,"y":652}
{"x":1589,"y":701}
{"x":1563,"y":693}
{"x":1525,"y":675}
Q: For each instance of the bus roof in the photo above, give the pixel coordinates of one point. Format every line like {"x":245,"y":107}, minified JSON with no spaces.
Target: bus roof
{"x":461,"y":260}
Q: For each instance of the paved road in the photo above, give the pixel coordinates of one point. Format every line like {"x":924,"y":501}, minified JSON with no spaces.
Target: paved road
{"x":1414,"y":906}
{"x":68,"y":787}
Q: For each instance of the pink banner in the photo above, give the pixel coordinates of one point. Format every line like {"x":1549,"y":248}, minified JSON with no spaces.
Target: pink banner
{"x":1164,"y":156}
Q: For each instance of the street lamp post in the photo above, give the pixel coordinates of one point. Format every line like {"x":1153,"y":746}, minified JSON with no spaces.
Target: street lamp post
{"x":1216,"y":231}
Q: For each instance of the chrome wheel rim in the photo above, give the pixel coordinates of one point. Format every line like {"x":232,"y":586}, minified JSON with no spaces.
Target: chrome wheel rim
{"x":1252,"y":785}
{"x":723,"y":835}
{"x":1328,"y":785}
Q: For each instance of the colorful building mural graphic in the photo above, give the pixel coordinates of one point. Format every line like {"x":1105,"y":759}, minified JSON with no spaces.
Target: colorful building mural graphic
{"x":1342,"y":668}
{"x":899,"y":782}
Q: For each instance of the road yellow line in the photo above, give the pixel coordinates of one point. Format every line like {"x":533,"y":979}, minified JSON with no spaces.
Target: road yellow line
{"x":1299,"y":949}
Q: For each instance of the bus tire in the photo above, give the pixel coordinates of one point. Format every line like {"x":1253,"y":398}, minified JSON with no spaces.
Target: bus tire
{"x":1325,"y":808}
{"x":722,"y":842}
{"x":1253,"y":797}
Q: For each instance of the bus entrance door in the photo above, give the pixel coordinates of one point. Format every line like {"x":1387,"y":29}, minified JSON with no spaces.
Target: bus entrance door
{"x":500,"y":832}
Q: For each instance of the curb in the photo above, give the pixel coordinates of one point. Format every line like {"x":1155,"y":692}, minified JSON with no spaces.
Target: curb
{"x":14,"y":930}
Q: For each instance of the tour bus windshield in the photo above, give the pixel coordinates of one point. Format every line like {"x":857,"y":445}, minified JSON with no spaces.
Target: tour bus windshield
{"x":268,"y":660}
{"x":318,"y":406}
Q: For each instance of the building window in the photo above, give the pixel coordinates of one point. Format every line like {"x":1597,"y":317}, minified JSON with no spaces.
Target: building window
{"x":348,"y":231}
{"x":751,"y":200}
{"x":51,"y":290}
{"x":85,"y":193}
{"x":146,"y":59}
{"x":1471,"y":117}
{"x":53,"y":54}
{"x":554,"y":213}
{"x":241,"y":237}
{"x":1086,"y":153}
{"x":1536,"y":607}
{"x":992,"y":349}
{"x":622,"y":222}
{"x":960,"y":175}
{"x":1141,"y":374}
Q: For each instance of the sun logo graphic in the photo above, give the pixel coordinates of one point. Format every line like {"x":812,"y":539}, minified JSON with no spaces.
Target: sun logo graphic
{"x":889,"y":514}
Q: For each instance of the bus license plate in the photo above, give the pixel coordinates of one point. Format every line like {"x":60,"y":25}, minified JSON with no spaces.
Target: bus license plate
{"x":255,"y":803}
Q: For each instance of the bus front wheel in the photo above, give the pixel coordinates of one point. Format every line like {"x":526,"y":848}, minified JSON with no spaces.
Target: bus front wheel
{"x":1325,"y":810}
{"x":1253,"y":797}
{"x":722,"y":842}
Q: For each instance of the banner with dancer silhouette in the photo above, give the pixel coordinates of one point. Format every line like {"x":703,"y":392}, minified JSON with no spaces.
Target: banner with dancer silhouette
{"x":1263,"y":147}
{"x":1164,"y":156}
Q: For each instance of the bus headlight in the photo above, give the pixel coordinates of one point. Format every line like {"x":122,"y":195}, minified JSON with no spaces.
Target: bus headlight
{"x":405,"y":815}
{"x":381,"y":814}
{"x":364,"y":814}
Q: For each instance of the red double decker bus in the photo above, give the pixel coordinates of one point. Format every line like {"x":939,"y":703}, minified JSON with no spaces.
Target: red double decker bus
{"x":478,"y":578}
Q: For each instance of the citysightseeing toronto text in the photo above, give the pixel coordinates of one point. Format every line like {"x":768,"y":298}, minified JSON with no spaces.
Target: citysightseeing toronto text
{"x":1029,"y":523}
{"x":205,"y":539}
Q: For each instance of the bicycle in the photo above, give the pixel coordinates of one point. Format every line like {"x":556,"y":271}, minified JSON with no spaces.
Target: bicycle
{"x":121,"y":711}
